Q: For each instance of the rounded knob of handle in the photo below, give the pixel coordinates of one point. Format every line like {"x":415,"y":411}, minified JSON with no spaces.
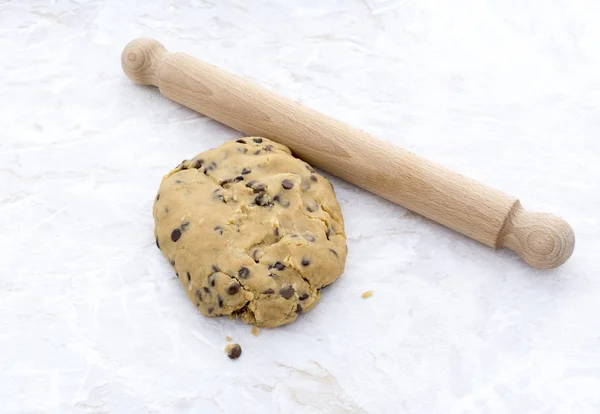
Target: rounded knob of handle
{"x":141,"y":60}
{"x":543,"y":240}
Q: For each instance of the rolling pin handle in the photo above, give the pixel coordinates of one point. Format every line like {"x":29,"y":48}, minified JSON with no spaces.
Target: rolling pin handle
{"x":543,"y":240}
{"x":141,"y":60}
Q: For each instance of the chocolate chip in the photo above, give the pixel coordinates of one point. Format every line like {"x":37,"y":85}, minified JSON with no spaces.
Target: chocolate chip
{"x":220,"y":301}
{"x":243,"y":150}
{"x":269,"y":291}
{"x":298,"y":308}
{"x":313,"y":178}
{"x":250,"y":183}
{"x":309,"y":168}
{"x":207,"y":290}
{"x":157,"y":244}
{"x":234,"y":351}
{"x":233,"y":288}
{"x":225,"y":183}
{"x":238,"y":179}
{"x":287,"y":184}
{"x":241,"y":141}
{"x":287,"y":291}
{"x":175,"y":235}
{"x":210,"y":310}
{"x":309,"y":237}
{"x":244,"y":272}
{"x":246,"y":171}
{"x":276,"y":199}
{"x":185,"y":225}
{"x":157,"y":196}
{"x":211,"y":280}
{"x":305,"y":261}
{"x":259,"y":187}
{"x":183,"y":166}
{"x":333,"y":251}
{"x":277,"y":265}
{"x":198,"y":163}
{"x":216,"y":268}
{"x":172,"y":262}
{"x":254,"y":253}
{"x":256,"y":152}
{"x":269,"y":147}
{"x":303,"y":296}
{"x":219,"y":229}
{"x":176,"y":274}
{"x":220,"y":197}
{"x":263,"y":200}
{"x":257,"y":140}
{"x":311,"y":209}
{"x":198,"y":295}
{"x":189,"y":277}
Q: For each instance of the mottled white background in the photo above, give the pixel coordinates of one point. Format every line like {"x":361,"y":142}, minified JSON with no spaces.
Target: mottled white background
{"x":92,"y":318}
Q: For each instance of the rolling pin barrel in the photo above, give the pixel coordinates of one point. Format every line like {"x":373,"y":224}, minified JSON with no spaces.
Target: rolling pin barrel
{"x":471,"y":208}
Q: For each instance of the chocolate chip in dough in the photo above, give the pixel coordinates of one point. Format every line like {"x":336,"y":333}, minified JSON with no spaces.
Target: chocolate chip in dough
{"x":185,"y":225}
{"x":233,"y":288}
{"x":219,"y":230}
{"x":269,"y":291}
{"x":298,"y":308}
{"x":241,"y":141}
{"x":199,"y":163}
{"x":305,"y":261}
{"x":220,"y":301}
{"x":157,"y":244}
{"x":277,"y":265}
{"x":286,"y":291}
{"x":313,"y":178}
{"x":303,"y":296}
{"x":287,"y":184}
{"x":246,"y":171}
{"x":257,"y":140}
{"x":233,"y":351}
{"x":244,"y":272}
{"x":189,"y":277}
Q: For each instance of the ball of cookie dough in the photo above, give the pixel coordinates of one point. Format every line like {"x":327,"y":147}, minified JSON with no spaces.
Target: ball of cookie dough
{"x":251,"y":231}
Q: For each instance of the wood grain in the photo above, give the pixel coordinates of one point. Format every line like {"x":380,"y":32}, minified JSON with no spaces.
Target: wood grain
{"x":458,"y":202}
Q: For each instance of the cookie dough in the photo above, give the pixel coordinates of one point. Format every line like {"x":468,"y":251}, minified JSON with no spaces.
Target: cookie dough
{"x":251,"y":231}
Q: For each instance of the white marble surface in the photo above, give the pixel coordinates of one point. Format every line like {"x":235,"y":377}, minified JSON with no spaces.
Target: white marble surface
{"x":92,"y":318}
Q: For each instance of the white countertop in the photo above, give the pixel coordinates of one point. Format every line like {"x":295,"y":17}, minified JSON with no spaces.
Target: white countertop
{"x":93,"y":319}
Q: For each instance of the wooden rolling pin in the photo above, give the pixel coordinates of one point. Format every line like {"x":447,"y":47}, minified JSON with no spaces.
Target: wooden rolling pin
{"x":471,"y":208}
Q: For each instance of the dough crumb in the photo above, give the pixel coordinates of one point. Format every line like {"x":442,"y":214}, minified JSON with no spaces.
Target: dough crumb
{"x":367,"y":294}
{"x":233,"y":351}
{"x":228,"y":338}
{"x":255,"y":330}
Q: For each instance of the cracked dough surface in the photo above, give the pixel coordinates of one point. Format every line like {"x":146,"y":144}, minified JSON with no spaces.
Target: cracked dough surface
{"x":251,"y":231}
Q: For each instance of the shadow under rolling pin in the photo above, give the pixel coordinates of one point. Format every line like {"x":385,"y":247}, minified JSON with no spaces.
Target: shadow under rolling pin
{"x":467,"y":206}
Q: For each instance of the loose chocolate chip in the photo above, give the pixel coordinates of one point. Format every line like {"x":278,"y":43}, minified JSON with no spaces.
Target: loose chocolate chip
{"x":313,"y":178}
{"x":309,"y":237}
{"x":333,"y":251}
{"x":309,"y":168}
{"x":157,"y":244}
{"x":207,"y":290}
{"x":198,"y":295}
{"x":246,"y":171}
{"x":175,"y":235}
{"x":298,"y":308}
{"x":233,"y":288}
{"x":269,"y":291}
{"x":198,"y":163}
{"x":243,"y":150}
{"x":241,"y":141}
{"x":185,"y":225}
{"x":303,"y":296}
{"x":277,"y":265}
{"x":287,"y":184}
{"x":257,"y":140}
{"x":157,"y":196}
{"x":211,"y":280}
{"x":269,"y":147}
{"x":287,"y":291}
{"x":305,"y":261}
{"x":210,"y":310}
{"x":219,"y":229}
{"x":172,"y":262}
{"x":234,"y":351}
{"x":216,"y":268}
{"x":189,"y":277}
{"x":254,"y":254}
{"x":244,"y":272}
{"x":220,"y":301}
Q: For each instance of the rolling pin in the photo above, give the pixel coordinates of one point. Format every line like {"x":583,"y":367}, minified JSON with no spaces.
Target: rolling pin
{"x":460,"y":203}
